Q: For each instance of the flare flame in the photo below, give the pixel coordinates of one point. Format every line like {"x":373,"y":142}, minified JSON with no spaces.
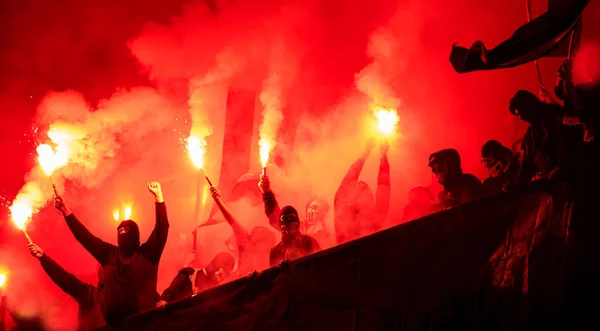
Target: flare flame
{"x":196,"y":149}
{"x":387,"y":120}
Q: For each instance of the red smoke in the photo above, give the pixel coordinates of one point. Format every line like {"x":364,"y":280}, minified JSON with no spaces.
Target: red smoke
{"x":131,"y":62}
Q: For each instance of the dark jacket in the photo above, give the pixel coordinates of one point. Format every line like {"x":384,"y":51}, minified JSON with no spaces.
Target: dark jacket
{"x":87,"y":296}
{"x":181,"y":286}
{"x":130,"y":283}
{"x":302,"y":245}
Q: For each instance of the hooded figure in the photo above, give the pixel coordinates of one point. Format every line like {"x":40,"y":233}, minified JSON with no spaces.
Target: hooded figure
{"x":293,"y":244}
{"x":87,"y":296}
{"x":190,"y":281}
{"x":502,"y":165}
{"x":356,"y":212}
{"x":130,"y":269}
{"x":459,"y":187}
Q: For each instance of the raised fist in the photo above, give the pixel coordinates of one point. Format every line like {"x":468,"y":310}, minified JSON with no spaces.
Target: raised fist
{"x":59,"y":203}
{"x":384,"y":147}
{"x":263,"y":184}
{"x":155,"y":189}
{"x":369,"y":147}
{"x":36,"y":251}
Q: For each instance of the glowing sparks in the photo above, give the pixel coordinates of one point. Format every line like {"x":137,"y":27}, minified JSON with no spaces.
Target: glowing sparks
{"x":265,"y":149}
{"x":196,"y":150}
{"x":127,"y":212}
{"x":20,"y":212}
{"x":387,"y":119}
{"x":2,"y":280}
{"x":116,"y":215}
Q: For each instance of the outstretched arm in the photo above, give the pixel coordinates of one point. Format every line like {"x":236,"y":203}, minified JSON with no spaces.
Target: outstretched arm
{"x":67,"y":282}
{"x":382,"y":195}
{"x":242,"y":237}
{"x":99,"y":249}
{"x":353,"y":173}
{"x":155,"y":244}
{"x":272,"y":209}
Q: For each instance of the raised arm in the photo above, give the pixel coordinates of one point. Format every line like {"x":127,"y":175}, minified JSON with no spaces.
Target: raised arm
{"x":272,"y":209}
{"x":242,"y":237}
{"x":155,"y":244}
{"x":353,"y":173}
{"x":382,"y":195}
{"x":99,"y":249}
{"x":67,"y":282}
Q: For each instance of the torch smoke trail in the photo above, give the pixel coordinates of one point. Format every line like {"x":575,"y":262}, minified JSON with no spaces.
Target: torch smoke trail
{"x":271,"y":100}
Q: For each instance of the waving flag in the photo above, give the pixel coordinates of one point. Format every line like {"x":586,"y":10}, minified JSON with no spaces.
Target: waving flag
{"x":541,"y":37}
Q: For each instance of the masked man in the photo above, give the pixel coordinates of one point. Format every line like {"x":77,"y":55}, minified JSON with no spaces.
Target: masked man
{"x":502,"y":165}
{"x":293,"y":244}
{"x":130,"y":269}
{"x":459,"y":187}
{"x":87,"y":296}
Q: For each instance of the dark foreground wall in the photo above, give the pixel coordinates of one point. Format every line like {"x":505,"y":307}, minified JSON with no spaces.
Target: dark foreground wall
{"x":494,"y":264}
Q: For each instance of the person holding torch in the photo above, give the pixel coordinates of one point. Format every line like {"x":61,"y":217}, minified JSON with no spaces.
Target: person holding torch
{"x":355,"y":212}
{"x":130,"y":269}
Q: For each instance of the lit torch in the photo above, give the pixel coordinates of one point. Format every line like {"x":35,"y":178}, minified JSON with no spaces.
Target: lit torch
{"x":196,"y":149}
{"x":20,"y":212}
{"x":265,"y":149}
{"x":116,"y":215}
{"x":127,"y":212}
{"x":387,"y":119}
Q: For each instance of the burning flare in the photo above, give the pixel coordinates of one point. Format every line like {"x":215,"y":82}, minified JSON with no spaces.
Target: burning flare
{"x":265,"y":149}
{"x":2,"y":280}
{"x":20,"y":212}
{"x":116,"y":215}
{"x":196,"y":148}
{"x":387,"y":119}
{"x":49,"y":159}
{"x":127,"y":212}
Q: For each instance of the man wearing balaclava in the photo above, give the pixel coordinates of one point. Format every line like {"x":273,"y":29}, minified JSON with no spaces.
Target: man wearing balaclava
{"x":459,"y":187}
{"x":502,"y":165}
{"x":316,"y":212}
{"x":293,"y":244}
{"x":355,"y":213}
{"x":190,"y":281}
{"x":130,"y":269}
{"x":87,"y":296}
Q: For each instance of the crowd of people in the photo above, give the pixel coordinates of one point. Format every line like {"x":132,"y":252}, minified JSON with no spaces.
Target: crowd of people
{"x":558,"y":140}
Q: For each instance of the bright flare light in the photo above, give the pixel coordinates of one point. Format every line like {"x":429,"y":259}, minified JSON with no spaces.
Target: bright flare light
{"x":265,"y":148}
{"x":49,"y":159}
{"x":20,"y":212}
{"x":387,"y":119}
{"x":196,"y":149}
{"x":116,"y":215}
{"x":2,"y":280}
{"x":127,"y":212}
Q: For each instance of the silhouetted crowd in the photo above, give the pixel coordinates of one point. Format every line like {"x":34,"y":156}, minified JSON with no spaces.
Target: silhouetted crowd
{"x":559,"y":145}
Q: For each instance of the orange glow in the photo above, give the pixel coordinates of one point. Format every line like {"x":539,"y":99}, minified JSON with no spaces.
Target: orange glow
{"x":2,"y":280}
{"x":116,"y":215}
{"x":127,"y":212}
{"x":265,"y":149}
{"x":196,"y":149}
{"x":51,"y":160}
{"x":387,"y":119}
{"x":21,"y":211}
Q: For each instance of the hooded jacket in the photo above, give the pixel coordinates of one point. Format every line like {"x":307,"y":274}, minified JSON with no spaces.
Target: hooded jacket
{"x":130,"y":269}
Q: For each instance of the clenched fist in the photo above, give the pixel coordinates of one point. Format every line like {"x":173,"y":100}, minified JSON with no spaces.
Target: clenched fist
{"x":263,"y":184}
{"x":59,"y":203}
{"x":36,"y":251}
{"x":154,"y":188}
